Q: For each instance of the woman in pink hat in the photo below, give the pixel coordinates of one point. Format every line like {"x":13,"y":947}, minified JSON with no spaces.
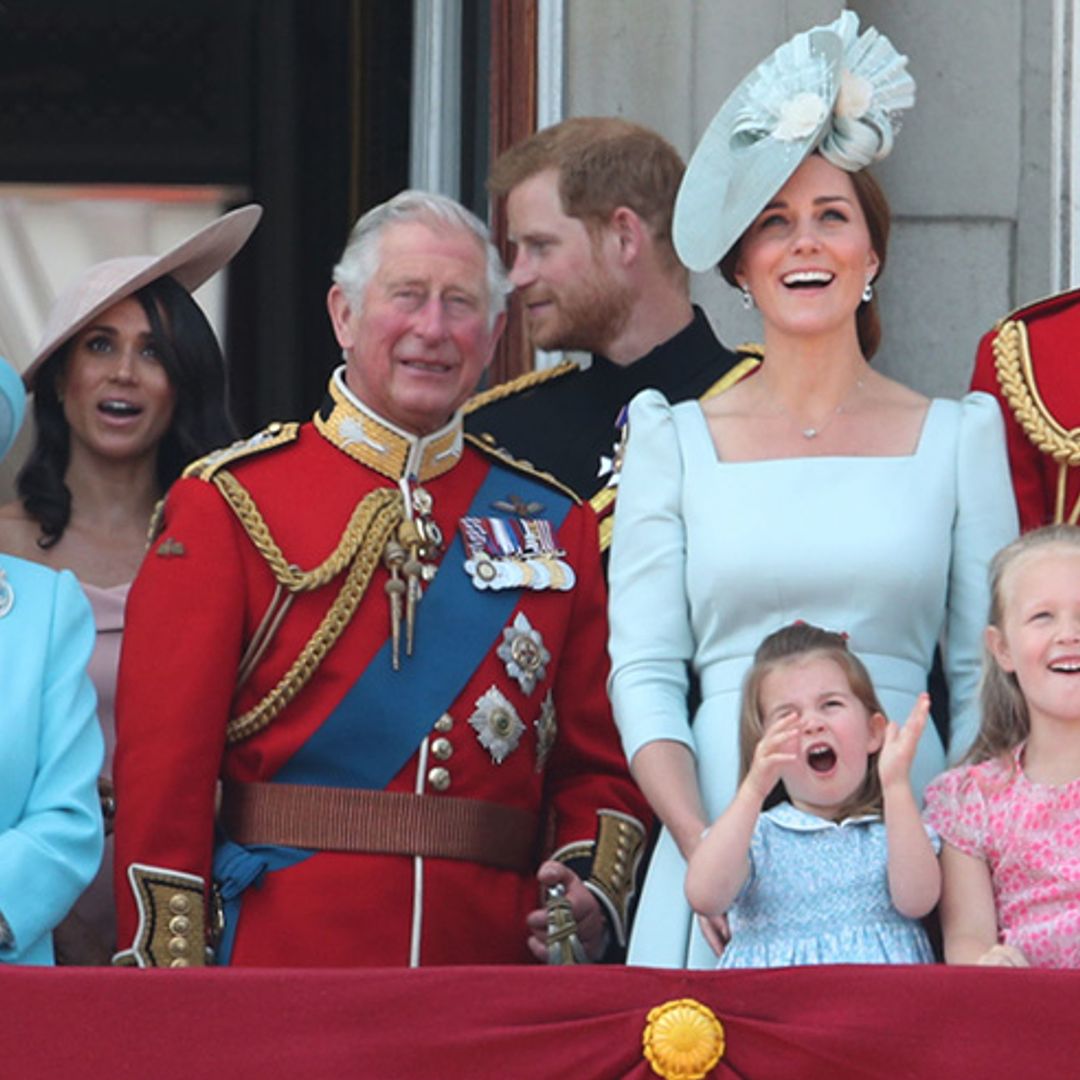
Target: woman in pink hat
{"x":129,"y":387}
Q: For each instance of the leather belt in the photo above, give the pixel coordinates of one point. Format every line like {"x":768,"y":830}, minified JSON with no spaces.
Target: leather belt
{"x":380,"y":823}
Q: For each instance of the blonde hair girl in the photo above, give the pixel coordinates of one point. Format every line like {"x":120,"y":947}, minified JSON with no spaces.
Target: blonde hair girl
{"x":1010,"y":816}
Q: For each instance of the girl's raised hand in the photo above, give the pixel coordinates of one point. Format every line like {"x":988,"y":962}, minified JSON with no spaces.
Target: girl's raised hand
{"x":779,"y":746}
{"x":900,"y":743}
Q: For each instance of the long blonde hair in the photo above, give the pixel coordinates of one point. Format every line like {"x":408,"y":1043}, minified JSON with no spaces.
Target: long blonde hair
{"x":791,"y":644}
{"x":1005,"y":719}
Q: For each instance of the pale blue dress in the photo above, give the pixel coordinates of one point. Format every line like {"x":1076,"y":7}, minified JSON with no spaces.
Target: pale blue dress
{"x":51,"y":750}
{"x":818,"y":893}
{"x":709,"y":557}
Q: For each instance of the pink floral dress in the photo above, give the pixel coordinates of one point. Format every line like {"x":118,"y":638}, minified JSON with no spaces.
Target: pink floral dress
{"x":1029,"y":836}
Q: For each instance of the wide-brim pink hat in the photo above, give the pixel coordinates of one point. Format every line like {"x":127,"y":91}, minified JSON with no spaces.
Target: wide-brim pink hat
{"x":192,"y":262}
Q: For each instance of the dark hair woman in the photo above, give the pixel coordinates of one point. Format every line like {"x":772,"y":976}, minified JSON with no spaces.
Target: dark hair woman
{"x":129,"y":386}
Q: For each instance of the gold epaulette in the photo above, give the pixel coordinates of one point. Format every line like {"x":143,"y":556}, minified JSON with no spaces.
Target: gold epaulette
{"x":518,"y":385}
{"x":527,"y":468}
{"x":273,"y":435}
{"x":750,"y":358}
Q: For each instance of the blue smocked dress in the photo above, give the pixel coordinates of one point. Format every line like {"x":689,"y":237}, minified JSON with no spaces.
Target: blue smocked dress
{"x":711,"y":556}
{"x":818,"y":893}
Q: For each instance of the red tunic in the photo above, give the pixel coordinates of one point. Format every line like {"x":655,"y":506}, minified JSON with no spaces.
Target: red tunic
{"x":195,"y":605}
{"x":1052,"y":331}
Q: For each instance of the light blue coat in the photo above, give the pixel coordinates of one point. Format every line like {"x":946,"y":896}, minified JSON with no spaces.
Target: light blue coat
{"x":51,"y":749}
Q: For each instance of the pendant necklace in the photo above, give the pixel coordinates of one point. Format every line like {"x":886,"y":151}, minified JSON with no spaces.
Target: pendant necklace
{"x":812,"y":432}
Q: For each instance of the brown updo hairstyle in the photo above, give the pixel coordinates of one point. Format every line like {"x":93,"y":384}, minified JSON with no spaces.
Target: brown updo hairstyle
{"x":875,"y":208}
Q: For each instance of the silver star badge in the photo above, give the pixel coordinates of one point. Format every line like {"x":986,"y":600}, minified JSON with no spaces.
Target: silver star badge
{"x":522,"y":651}
{"x":497,"y":724}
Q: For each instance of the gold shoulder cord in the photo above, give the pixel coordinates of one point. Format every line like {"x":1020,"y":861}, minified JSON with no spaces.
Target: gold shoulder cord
{"x":370,"y":526}
{"x":526,"y":468}
{"x":1016,"y":377}
{"x":751,"y":356}
{"x":516,"y":386}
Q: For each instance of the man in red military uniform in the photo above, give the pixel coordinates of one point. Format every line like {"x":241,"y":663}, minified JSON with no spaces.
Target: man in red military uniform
{"x":1030,"y":362}
{"x":388,"y":645}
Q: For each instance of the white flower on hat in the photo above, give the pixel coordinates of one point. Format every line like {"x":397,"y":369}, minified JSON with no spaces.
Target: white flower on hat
{"x":799,"y":116}
{"x":855,"y":96}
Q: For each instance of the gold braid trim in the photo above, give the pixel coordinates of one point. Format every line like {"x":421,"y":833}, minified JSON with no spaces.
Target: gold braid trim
{"x":516,"y":386}
{"x":1016,"y":377}
{"x":288,"y":574}
{"x":370,"y":526}
{"x":526,"y":468}
{"x":750,"y":361}
{"x":751,"y":357}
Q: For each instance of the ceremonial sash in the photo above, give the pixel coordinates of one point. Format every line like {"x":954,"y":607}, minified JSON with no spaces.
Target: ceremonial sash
{"x":381,"y":721}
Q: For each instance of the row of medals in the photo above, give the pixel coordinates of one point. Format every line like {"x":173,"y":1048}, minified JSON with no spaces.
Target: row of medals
{"x":410,"y":558}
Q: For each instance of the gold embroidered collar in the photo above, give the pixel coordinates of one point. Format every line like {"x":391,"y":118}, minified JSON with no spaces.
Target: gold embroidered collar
{"x":355,"y":430}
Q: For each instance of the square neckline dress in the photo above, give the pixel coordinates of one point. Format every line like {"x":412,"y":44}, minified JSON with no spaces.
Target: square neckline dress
{"x":711,"y":556}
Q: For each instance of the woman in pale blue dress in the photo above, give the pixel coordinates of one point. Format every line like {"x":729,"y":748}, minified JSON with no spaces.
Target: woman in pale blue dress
{"x":818,"y":489}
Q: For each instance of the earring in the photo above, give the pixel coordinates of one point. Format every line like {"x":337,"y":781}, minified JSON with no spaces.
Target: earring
{"x":747,"y":297}
{"x":868,"y":292}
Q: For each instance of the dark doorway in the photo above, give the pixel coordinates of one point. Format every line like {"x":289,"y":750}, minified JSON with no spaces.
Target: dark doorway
{"x":305,"y":105}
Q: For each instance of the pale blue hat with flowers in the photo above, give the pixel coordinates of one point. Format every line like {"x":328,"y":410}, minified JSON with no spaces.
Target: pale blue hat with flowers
{"x":12,"y":405}
{"x":830,"y":90}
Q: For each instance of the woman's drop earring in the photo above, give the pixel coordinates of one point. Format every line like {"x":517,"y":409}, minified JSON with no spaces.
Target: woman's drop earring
{"x":868,"y":292}
{"x":747,"y":297}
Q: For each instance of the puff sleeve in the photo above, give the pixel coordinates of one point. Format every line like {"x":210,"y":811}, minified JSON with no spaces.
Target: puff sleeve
{"x":985,"y":521}
{"x":651,"y":639}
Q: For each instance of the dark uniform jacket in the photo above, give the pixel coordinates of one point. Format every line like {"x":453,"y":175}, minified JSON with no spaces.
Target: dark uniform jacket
{"x":568,"y":421}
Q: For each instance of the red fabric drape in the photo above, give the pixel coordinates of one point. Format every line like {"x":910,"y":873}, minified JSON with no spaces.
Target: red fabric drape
{"x":522,"y":1023}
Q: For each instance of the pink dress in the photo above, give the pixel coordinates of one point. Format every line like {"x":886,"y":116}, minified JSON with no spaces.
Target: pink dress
{"x":96,"y":905}
{"x":1029,"y":836}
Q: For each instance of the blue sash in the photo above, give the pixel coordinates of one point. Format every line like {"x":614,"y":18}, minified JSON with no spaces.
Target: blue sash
{"x":381,"y":721}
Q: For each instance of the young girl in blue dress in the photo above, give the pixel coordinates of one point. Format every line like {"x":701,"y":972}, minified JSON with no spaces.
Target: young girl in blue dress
{"x":841,"y":868}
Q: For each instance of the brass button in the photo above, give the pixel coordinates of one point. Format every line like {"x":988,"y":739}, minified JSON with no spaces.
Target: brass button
{"x":179,"y":962}
{"x":442,"y":749}
{"x":439,"y":778}
{"x":274,"y":427}
{"x":179,"y":904}
{"x":445,"y":723}
{"x":178,"y":946}
{"x":180,"y":924}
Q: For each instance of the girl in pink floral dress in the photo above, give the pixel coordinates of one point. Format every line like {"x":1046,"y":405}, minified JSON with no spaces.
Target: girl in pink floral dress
{"x":1010,"y":817}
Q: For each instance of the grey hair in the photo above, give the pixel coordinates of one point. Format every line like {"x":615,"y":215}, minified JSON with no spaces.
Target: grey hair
{"x":360,"y":259}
